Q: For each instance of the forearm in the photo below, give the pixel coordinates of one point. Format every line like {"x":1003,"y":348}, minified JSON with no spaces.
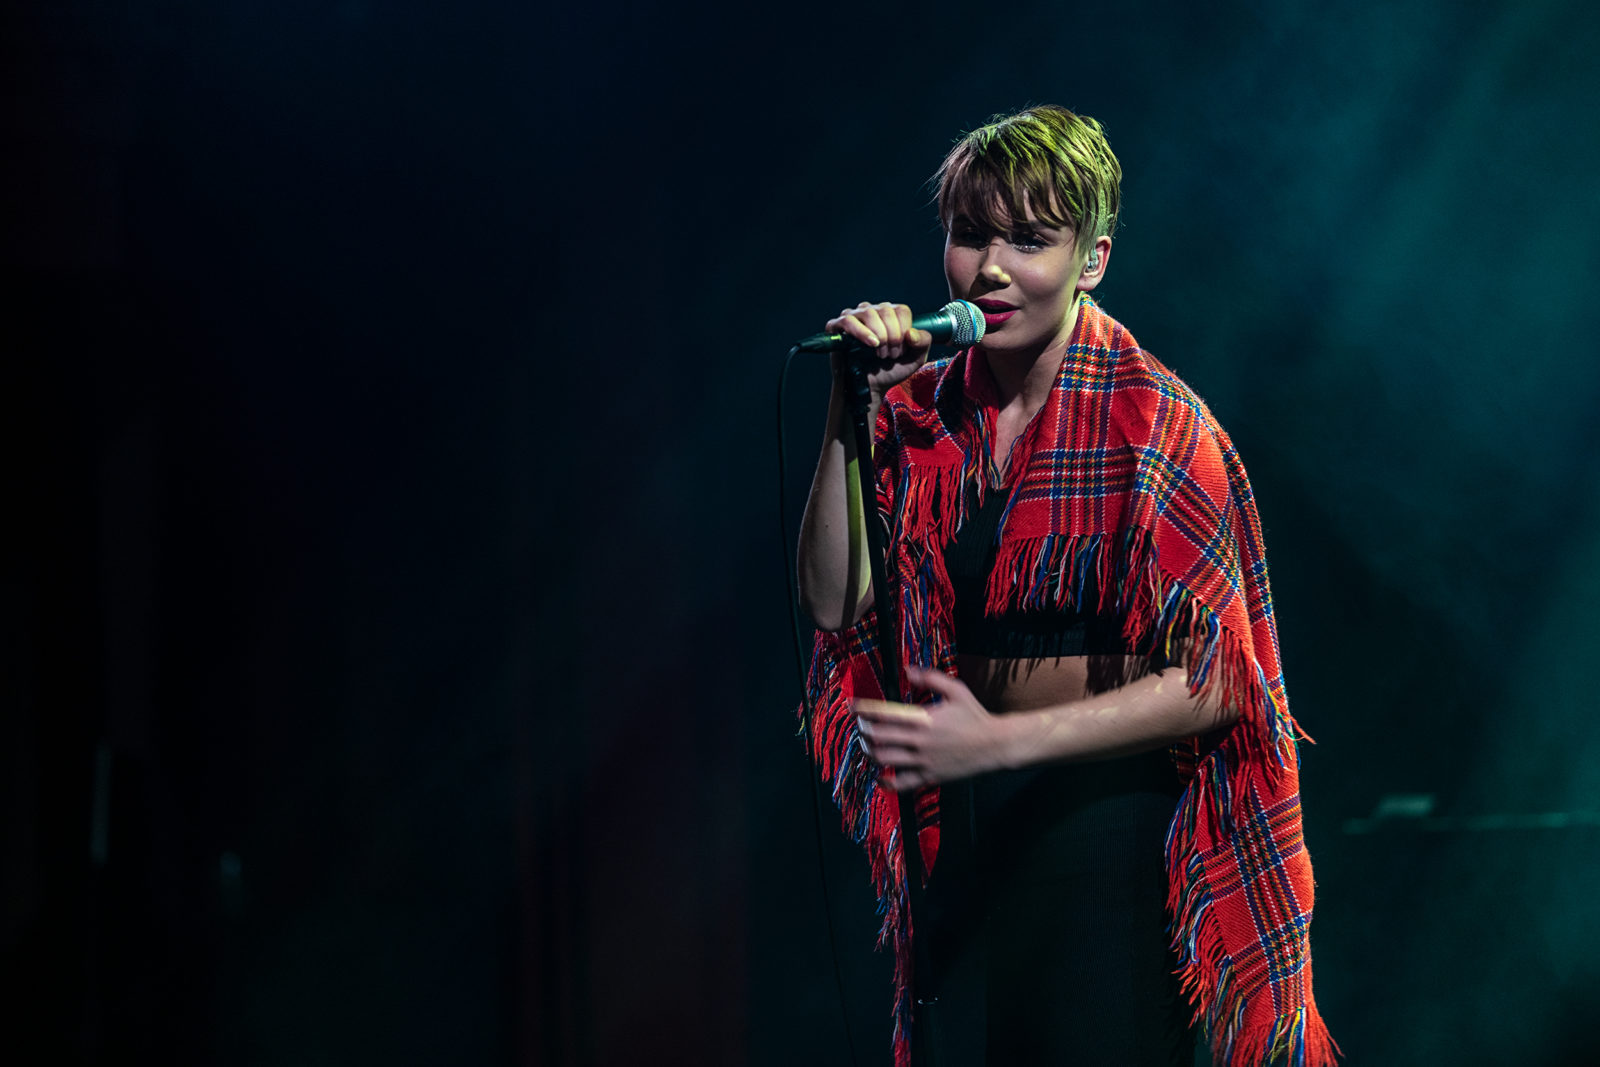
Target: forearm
{"x":835,"y":580}
{"x":1152,"y":712}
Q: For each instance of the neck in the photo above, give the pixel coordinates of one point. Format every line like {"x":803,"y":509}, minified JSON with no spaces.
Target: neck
{"x":1026,"y":377}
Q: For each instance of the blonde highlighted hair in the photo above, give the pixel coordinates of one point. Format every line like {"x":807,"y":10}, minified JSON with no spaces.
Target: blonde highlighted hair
{"x":1047,"y":158}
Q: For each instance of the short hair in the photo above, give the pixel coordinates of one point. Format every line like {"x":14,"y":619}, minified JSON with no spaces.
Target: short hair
{"x":1045,"y":157}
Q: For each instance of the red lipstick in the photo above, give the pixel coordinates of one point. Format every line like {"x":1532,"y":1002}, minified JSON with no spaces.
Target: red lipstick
{"x":995,"y":312}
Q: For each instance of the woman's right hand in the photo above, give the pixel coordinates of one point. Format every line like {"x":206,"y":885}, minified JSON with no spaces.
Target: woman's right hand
{"x":886,"y":329}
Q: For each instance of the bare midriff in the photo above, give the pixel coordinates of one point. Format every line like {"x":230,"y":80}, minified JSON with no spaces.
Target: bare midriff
{"x":1005,"y":685}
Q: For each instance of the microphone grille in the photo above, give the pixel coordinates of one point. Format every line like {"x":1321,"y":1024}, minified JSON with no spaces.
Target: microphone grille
{"x":967,"y":322}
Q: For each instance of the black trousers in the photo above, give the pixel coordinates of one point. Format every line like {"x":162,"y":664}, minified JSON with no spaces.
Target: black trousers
{"x":1047,"y":912}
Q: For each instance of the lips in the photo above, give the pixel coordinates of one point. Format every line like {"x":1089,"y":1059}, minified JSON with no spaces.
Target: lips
{"x":995,"y":312}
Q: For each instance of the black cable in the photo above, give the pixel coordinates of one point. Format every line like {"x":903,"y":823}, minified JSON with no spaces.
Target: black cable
{"x":805,"y":699}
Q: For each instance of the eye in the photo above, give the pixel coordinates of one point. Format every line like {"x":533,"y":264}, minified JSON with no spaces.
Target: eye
{"x":968,"y":236}
{"x":1027,"y":239}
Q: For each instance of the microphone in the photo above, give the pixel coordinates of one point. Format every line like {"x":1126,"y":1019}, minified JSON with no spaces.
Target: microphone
{"x":958,"y":323}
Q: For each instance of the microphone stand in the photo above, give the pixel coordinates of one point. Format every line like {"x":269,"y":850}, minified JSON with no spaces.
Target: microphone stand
{"x":924,"y":996}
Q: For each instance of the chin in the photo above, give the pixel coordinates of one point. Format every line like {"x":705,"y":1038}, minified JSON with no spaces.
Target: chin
{"x":1004,"y":340}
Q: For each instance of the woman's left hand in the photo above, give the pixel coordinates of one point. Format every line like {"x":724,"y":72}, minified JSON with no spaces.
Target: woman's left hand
{"x":919,"y":745}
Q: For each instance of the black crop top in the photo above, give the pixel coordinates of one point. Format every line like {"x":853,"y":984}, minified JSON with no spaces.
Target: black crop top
{"x":1045,"y":634}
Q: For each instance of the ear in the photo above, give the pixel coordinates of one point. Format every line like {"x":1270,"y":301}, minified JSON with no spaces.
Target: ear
{"x":1094,"y":268}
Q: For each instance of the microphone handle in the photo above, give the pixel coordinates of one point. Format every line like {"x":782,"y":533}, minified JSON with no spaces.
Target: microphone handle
{"x":937,"y":323}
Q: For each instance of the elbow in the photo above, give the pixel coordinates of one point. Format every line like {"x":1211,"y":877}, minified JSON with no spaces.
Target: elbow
{"x":831,"y":617}
{"x":829,"y":622}
{"x":1222,"y":716}
{"x":825,"y":602}
{"x":822,"y":616}
{"x":813,"y":607}
{"x":1214,"y":715}
{"x":1197,"y":713}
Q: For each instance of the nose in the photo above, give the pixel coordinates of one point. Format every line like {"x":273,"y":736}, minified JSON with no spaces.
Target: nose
{"x":991,"y":270}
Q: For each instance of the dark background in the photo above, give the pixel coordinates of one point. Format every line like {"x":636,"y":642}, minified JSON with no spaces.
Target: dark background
{"x":395,"y":642}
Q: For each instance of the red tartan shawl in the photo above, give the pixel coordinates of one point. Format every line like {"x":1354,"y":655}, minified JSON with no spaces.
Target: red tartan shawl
{"x":1126,"y":475}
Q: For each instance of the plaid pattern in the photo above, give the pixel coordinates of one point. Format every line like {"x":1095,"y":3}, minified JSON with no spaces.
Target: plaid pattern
{"x":1126,"y":478}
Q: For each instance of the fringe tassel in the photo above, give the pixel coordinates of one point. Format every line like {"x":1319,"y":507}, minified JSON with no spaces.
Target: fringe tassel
{"x":1237,"y":1036}
{"x":870,"y":816}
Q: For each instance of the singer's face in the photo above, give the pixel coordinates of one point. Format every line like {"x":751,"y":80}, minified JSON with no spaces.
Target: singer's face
{"x":1026,"y":281}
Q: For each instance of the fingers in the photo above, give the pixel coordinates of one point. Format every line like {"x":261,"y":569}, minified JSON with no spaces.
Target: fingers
{"x":899,"y":735}
{"x":893,"y":334}
{"x":885,"y":327}
{"x":861,"y":322}
{"x":921,"y":745}
{"x":885,"y":711}
{"x":900,"y":763}
{"x":896,"y":756}
{"x":891,"y":735}
{"x":912,"y":340}
{"x":938,"y":682}
{"x":898,"y":319}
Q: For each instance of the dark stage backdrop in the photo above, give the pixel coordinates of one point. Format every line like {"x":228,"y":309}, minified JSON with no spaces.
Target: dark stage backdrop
{"x":395,"y":637}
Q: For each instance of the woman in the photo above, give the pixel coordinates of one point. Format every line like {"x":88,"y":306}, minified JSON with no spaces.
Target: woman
{"x":1076,"y":571}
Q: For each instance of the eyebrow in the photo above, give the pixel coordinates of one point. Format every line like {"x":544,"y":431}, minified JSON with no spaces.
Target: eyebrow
{"x":1034,"y":226}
